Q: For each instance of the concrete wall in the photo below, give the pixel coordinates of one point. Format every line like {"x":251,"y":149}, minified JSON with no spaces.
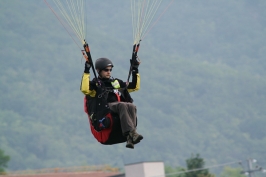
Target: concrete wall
{"x":145,"y":169}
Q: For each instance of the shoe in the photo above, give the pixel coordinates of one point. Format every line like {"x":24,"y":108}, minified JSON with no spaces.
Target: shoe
{"x":135,"y":137}
{"x":129,"y":143}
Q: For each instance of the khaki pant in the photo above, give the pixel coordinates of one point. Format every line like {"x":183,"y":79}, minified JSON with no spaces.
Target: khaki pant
{"x":127,"y":114}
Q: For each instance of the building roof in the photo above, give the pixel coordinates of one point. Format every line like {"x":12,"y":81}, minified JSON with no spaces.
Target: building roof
{"x":119,"y":175}
{"x":143,"y":162}
{"x":70,"y":174}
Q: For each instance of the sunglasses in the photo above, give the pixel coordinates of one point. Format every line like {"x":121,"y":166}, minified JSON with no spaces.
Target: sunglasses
{"x":106,"y":70}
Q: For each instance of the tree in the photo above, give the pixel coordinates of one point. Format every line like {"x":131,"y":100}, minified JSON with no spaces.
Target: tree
{"x":196,"y":162}
{"x":174,"y":172}
{"x":228,"y":172}
{"x":193,"y":164}
{"x":3,"y":161}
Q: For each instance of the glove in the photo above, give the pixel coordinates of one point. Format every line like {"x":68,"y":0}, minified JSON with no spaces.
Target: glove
{"x":134,"y":63}
{"x":87,"y":67}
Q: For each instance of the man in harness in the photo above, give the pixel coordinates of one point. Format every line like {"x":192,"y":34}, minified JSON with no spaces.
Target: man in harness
{"x":105,"y":94}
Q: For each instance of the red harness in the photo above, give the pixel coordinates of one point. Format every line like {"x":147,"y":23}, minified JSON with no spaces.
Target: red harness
{"x":109,"y":135}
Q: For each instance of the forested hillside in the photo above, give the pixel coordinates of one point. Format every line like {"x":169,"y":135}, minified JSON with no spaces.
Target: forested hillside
{"x":203,"y":84}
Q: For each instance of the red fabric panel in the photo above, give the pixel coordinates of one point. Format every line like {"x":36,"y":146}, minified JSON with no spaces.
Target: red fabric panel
{"x":103,"y":135}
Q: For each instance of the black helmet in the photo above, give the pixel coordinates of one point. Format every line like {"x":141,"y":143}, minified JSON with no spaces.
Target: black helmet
{"x":102,"y":63}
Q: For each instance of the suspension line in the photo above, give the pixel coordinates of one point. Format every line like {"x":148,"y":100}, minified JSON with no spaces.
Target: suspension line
{"x":74,"y":14}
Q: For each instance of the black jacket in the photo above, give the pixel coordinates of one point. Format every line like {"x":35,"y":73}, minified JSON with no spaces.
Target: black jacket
{"x":99,"y":92}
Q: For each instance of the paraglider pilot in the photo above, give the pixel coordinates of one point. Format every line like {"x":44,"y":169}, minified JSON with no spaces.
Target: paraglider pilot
{"x":105,"y":94}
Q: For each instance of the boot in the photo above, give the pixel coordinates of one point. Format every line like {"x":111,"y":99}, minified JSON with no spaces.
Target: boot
{"x":135,"y":136}
{"x":129,"y":143}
